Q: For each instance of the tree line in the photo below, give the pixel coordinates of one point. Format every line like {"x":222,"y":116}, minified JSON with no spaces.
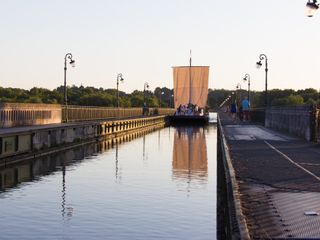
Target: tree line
{"x":160,"y":97}
{"x":276,"y":97}
{"x":89,"y":96}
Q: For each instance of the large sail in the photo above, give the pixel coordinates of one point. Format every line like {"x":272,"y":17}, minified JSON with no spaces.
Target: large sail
{"x":190,"y":85}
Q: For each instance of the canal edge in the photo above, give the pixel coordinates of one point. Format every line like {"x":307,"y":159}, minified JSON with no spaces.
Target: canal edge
{"x":234,"y":224}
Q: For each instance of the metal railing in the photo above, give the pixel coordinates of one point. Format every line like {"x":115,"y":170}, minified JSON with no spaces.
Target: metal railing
{"x":316,"y":126}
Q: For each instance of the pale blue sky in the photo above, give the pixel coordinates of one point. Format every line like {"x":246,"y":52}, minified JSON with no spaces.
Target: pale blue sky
{"x":142,"y":39}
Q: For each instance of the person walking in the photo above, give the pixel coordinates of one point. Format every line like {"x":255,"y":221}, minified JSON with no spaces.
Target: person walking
{"x":245,"y":109}
{"x":233,"y":110}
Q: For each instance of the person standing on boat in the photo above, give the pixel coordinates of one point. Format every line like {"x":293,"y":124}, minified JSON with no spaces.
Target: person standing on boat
{"x":196,"y":110}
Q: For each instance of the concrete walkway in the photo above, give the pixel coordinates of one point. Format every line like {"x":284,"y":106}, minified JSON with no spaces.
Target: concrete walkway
{"x":279,"y":181}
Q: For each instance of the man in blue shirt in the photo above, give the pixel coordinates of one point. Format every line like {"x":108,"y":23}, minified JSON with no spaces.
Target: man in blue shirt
{"x":246,"y":109}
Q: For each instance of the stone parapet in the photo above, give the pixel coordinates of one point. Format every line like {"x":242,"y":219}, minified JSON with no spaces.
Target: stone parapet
{"x":73,"y":113}
{"x":296,"y":120}
{"x":25,"y":114}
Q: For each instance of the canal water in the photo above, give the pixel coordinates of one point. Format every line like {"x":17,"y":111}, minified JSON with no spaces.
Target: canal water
{"x":152,"y":185}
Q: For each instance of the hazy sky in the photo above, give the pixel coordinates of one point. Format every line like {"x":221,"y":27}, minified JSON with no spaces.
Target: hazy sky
{"x":142,"y":39}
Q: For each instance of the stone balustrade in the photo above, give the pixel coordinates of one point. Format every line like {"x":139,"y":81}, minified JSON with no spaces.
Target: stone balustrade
{"x":27,"y":114}
{"x":24,"y":114}
{"x":87,"y":113}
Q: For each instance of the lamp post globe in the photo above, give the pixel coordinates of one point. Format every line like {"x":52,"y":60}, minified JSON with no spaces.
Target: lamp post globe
{"x":311,"y":8}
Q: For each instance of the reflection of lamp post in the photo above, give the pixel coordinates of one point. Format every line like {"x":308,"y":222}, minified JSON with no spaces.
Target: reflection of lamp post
{"x":311,"y":8}
{"x":119,"y":78}
{"x":72,"y":62}
{"x":247,"y":78}
{"x":146,"y":86}
{"x":117,"y":163}
{"x":63,"y":204}
{"x":259,"y":64}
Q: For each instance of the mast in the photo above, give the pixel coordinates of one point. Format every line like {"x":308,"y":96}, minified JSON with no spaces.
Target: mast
{"x":190,"y":91}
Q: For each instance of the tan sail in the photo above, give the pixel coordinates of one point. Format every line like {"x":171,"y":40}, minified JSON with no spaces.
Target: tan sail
{"x":190,"y":85}
{"x":190,"y":153}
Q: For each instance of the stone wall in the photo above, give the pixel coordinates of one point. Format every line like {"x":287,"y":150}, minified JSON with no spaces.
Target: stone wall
{"x":296,"y":120}
{"x":37,"y":140}
{"x":257,"y":115}
{"x":26,"y":114}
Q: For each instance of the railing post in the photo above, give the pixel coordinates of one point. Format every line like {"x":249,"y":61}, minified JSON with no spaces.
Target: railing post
{"x":314,"y":123}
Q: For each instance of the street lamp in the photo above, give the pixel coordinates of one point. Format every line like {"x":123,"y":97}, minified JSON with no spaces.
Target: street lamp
{"x":161,"y":98}
{"x":247,"y":78}
{"x":172,"y":101}
{"x":259,"y":64}
{"x":119,"y":78}
{"x":311,"y":8}
{"x":72,"y":62}
{"x":239,"y":88}
{"x":146,"y":86}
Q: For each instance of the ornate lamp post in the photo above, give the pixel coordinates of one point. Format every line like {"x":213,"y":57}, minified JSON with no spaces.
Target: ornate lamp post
{"x":247,"y":78}
{"x":161,"y":99}
{"x":72,"y":62}
{"x":146,"y":86}
{"x":239,"y":88}
{"x":311,"y":8}
{"x":171,"y":104}
{"x":119,"y":78}
{"x":233,"y":97}
{"x":259,"y":64}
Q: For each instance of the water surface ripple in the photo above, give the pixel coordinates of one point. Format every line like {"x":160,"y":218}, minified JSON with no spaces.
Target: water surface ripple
{"x":158,"y":186}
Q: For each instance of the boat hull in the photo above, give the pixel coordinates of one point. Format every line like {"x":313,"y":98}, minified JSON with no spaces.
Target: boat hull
{"x":189,"y":120}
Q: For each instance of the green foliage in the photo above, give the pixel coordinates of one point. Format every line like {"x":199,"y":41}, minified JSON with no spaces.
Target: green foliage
{"x":216,"y":97}
{"x":276,"y":97}
{"x":91,"y":96}
{"x":291,"y":100}
{"x":87,"y":96}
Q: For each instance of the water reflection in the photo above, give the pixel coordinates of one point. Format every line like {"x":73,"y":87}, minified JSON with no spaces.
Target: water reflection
{"x":189,"y":162}
{"x":32,"y":170}
{"x":11,"y":175}
{"x":82,"y":194}
{"x":144,"y":154}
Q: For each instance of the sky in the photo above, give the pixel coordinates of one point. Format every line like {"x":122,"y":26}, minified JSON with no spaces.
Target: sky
{"x":143,"y":39}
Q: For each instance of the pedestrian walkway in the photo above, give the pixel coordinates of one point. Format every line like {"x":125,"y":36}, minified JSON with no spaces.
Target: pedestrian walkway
{"x":278,"y":178}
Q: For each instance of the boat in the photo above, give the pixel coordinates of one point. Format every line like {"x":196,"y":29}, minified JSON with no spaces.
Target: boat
{"x":190,"y":88}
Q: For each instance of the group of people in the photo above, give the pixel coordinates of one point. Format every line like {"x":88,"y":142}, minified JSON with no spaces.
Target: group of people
{"x":243,"y":111}
{"x":189,"y":110}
